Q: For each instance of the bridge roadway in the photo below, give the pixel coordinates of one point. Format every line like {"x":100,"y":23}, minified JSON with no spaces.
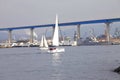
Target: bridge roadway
{"x":106,"y":21}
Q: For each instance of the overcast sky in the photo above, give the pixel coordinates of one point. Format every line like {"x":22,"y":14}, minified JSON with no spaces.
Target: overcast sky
{"x":15,"y":13}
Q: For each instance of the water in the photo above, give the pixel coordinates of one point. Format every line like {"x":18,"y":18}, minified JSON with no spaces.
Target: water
{"x":77,"y":63}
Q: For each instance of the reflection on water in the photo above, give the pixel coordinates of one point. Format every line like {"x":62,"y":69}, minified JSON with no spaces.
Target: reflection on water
{"x":56,"y":59}
{"x":56,"y":62}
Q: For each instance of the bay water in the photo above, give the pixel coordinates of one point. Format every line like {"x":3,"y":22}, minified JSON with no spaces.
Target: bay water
{"x":76,"y":63}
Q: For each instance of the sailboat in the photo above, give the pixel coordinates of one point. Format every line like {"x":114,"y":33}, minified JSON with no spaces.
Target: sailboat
{"x":43,"y":44}
{"x":55,"y":41}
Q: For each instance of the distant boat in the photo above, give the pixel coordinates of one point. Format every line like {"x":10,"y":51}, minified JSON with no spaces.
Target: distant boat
{"x":43,"y":44}
{"x":55,"y":42}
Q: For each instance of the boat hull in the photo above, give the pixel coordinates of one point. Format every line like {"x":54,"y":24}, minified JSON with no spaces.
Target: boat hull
{"x":56,"y":50}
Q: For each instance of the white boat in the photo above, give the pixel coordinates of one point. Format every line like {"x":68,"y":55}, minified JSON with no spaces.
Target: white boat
{"x":43,"y":44}
{"x":56,"y":49}
{"x":55,"y":41}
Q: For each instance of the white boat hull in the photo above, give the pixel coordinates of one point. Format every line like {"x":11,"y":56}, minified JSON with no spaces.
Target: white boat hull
{"x":56,"y":50}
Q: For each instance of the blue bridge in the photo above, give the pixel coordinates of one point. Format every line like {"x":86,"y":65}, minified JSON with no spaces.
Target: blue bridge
{"x":106,"y":21}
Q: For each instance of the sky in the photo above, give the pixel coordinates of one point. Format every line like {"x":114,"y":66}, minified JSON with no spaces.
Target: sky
{"x":16,"y":13}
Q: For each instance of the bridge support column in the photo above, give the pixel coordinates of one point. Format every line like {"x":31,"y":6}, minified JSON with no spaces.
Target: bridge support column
{"x":10,"y":37}
{"x":31,"y":35}
{"x":78,"y":35}
{"x":53,"y":31}
{"x":108,"y":32}
{"x":78,"y":31}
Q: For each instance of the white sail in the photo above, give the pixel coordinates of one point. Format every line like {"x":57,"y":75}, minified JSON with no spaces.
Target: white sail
{"x":43,"y":42}
{"x":55,"y":41}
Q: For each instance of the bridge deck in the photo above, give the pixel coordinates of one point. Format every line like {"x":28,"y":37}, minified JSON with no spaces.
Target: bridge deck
{"x":65,"y":24}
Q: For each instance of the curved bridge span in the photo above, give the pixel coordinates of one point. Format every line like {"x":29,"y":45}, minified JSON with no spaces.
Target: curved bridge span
{"x":78,"y":23}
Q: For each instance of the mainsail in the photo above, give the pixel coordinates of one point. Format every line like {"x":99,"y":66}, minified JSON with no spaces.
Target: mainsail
{"x":55,"y":41}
